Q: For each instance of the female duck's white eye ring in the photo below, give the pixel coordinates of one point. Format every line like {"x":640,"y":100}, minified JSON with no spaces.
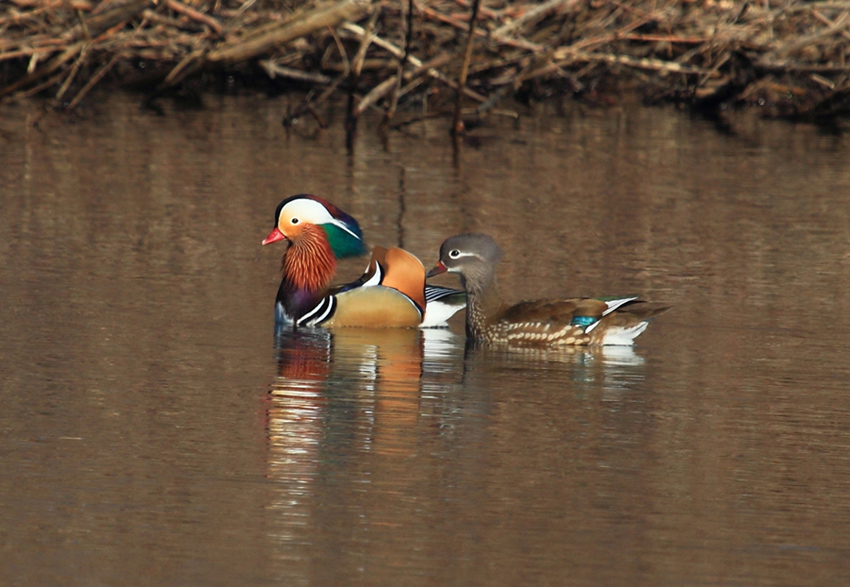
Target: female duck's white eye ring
{"x":294,"y":221}
{"x":454,"y":253}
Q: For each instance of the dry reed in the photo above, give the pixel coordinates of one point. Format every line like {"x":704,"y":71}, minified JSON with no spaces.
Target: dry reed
{"x":788,"y":58}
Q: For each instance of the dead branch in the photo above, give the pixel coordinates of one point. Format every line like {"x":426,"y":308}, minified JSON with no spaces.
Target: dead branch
{"x":457,"y":126}
{"x":195,"y":15}
{"x":326,"y":14}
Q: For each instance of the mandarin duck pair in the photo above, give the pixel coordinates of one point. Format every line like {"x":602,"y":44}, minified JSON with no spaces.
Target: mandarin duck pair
{"x":392,"y":292}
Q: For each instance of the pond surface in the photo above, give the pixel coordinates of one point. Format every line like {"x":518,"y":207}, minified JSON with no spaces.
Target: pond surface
{"x":153,"y":432}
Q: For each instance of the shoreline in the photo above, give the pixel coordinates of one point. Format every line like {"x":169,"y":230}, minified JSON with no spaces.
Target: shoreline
{"x":788,"y":62}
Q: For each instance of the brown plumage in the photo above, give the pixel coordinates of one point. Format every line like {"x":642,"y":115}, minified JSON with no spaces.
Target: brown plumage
{"x":550,"y":323}
{"x":309,"y":262}
{"x":404,"y":272}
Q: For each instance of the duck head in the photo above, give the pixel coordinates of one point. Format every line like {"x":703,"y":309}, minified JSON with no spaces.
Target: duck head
{"x":473,"y":256}
{"x":295,"y":216}
{"x":318,"y":234}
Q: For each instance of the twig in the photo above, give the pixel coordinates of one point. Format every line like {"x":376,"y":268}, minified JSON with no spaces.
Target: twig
{"x":837,"y":26}
{"x":321,"y":16}
{"x":457,"y":125}
{"x":321,"y":121}
{"x":35,"y":89}
{"x":491,"y":102}
{"x":274,"y":69}
{"x":516,"y":43}
{"x":415,"y":119}
{"x":195,"y":15}
{"x":408,"y":42}
{"x":378,"y":92}
{"x":53,"y":4}
{"x":645,"y":63}
{"x":308,"y":105}
{"x":829,"y":22}
{"x":343,"y":54}
{"x":188,"y":65}
{"x":406,"y":89}
{"x":40,"y":50}
{"x":360,"y":32}
{"x":360,"y":56}
{"x":534,"y":15}
{"x":662,"y":39}
{"x":74,"y":69}
{"x":100,"y":22}
{"x":45,"y":70}
{"x":384,"y":44}
{"x":766,"y":65}
{"x":99,"y":74}
{"x":424,"y":68}
{"x":483,"y":11}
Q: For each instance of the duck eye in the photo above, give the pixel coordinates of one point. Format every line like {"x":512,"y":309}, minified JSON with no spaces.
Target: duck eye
{"x":294,"y":221}
{"x":454,"y":253}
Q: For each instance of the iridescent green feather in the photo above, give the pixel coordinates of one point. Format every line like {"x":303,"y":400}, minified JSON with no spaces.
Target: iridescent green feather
{"x":343,"y":243}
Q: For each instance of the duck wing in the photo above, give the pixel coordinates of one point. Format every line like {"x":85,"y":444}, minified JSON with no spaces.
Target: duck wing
{"x":577,"y":321}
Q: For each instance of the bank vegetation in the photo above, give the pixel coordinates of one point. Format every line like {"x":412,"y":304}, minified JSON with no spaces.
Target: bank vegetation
{"x":410,"y":58}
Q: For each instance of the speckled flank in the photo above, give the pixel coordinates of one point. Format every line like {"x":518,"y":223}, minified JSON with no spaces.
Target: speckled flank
{"x":537,"y":333}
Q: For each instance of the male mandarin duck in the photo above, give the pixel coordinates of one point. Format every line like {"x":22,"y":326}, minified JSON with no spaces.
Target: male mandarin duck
{"x":391,"y":292}
{"x":549,"y":323}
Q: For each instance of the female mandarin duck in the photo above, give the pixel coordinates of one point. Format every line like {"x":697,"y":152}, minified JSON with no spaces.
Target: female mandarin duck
{"x":391,"y":293}
{"x":550,"y":323}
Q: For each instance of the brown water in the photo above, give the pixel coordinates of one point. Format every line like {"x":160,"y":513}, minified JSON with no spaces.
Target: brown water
{"x":151,"y":432}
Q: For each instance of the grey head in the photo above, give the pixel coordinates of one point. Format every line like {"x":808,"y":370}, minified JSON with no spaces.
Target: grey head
{"x":474,"y":256}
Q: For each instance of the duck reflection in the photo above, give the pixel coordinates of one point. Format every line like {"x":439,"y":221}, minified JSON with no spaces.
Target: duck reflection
{"x":345,"y":396}
{"x":358,"y":419}
{"x":358,"y":373}
{"x":360,"y":390}
{"x":613,"y":369}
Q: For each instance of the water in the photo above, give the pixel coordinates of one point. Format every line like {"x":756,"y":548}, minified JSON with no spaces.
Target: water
{"x":153,"y":432}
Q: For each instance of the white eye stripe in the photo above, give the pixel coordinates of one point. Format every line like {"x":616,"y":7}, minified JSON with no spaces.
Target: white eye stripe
{"x":455,"y":254}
